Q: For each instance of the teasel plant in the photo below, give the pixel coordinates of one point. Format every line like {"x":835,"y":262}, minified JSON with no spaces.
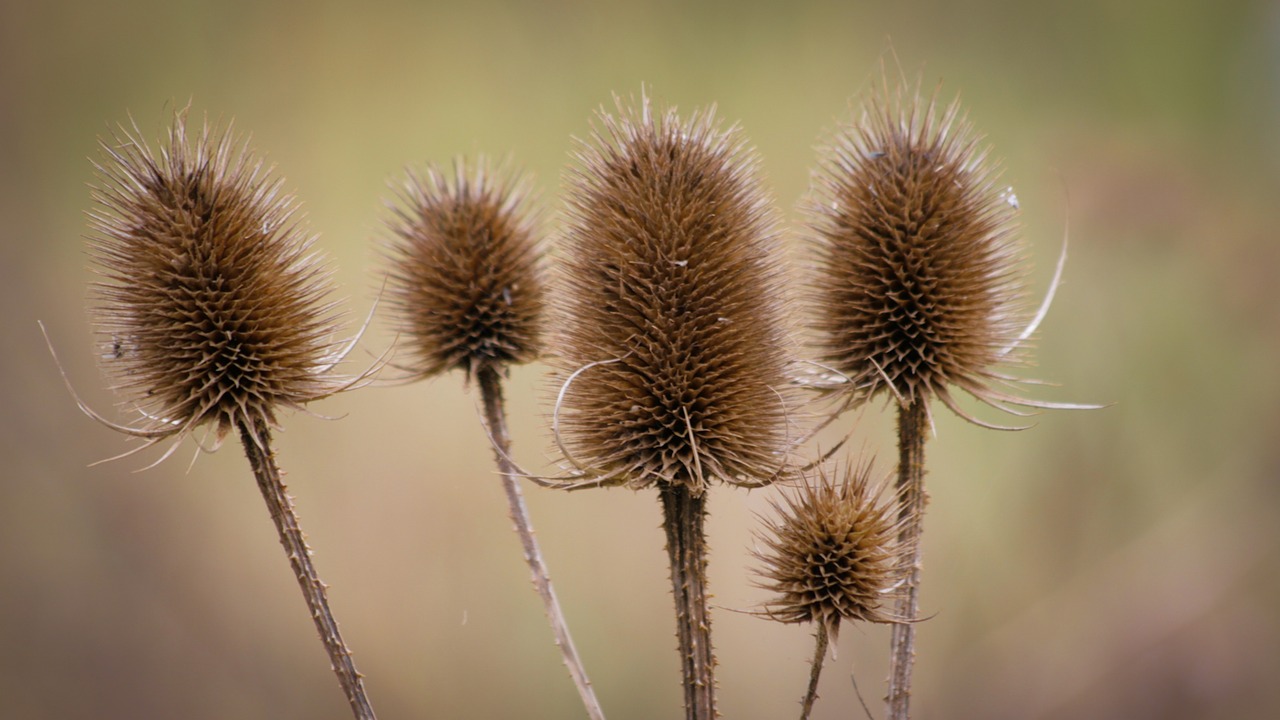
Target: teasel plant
{"x":672,"y":349}
{"x":213,"y":311}
{"x":466,"y":292}
{"x":919,"y":290}
{"x":831,"y":553}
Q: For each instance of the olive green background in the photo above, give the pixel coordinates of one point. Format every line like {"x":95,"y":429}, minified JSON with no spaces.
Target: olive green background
{"x":1119,"y":563}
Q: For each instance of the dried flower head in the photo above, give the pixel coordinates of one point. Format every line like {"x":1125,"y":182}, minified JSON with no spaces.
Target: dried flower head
{"x":673,"y":350}
{"x":465,"y":282}
{"x":212,"y":306}
{"x":833,"y":552}
{"x":920,"y":279}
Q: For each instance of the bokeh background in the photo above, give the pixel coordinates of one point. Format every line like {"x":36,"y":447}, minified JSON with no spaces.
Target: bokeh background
{"x":1120,"y":563}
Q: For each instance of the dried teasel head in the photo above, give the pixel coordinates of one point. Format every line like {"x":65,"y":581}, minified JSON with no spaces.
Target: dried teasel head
{"x":920,"y":280}
{"x":465,"y":282}
{"x":832,"y":553}
{"x":212,"y":306}
{"x":672,"y":355}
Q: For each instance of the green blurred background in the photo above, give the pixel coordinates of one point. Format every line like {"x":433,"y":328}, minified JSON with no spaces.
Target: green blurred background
{"x":1112,"y":564}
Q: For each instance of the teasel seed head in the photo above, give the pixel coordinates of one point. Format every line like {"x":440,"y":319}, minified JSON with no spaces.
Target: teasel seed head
{"x":466,"y":283}
{"x":212,"y":306}
{"x":920,"y":276}
{"x":832,"y":553}
{"x":672,"y":354}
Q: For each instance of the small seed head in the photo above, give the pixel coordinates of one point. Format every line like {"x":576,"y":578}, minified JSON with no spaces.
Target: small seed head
{"x":832,"y":553}
{"x":212,"y":306}
{"x":465,"y":285}
{"x":672,"y":306}
{"x":919,"y":282}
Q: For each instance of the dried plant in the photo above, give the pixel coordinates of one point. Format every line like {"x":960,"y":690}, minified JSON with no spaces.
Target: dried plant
{"x":920,"y":276}
{"x":919,"y":288}
{"x":465,"y":283}
{"x":213,"y":309}
{"x":467,"y":294}
{"x":672,"y":354}
{"x":832,"y":554}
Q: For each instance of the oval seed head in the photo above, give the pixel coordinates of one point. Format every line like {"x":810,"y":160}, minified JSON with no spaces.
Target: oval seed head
{"x":832,"y":553}
{"x":920,"y":281}
{"x":466,"y":285}
{"x":673,"y":347}
{"x":212,"y":306}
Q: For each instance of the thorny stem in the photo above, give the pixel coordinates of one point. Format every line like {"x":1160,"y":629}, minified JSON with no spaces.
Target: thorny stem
{"x":913,"y":422}
{"x":496,"y":418}
{"x":684,"y":516}
{"x":815,"y":671}
{"x":257,"y":447}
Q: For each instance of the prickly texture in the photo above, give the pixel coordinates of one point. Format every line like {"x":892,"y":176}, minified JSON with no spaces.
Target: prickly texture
{"x":919,"y":282}
{"x":832,"y":552}
{"x":465,"y":283}
{"x":672,"y":305}
{"x":211,"y":305}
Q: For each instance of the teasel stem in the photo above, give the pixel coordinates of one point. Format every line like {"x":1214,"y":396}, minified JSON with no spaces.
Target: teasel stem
{"x":684,"y":517}
{"x":821,"y":641}
{"x":495,"y":416}
{"x":913,"y":423}
{"x":257,"y":447}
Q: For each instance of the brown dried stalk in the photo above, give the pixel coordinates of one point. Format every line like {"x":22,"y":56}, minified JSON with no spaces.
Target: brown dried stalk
{"x":833,"y":553}
{"x":920,"y":287}
{"x":467,"y":291}
{"x":672,"y":352}
{"x":212,"y":310}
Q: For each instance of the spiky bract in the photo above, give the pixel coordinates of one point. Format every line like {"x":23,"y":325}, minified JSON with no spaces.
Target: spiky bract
{"x":672,"y":297}
{"x":465,"y":280}
{"x":919,"y":283}
{"x":212,"y":306}
{"x":832,"y":553}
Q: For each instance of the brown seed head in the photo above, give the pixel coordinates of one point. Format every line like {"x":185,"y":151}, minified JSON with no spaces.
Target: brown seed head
{"x":465,"y":282}
{"x":919,"y":283}
{"x":674,"y":344}
{"x":832,"y":553}
{"x":212,"y":306}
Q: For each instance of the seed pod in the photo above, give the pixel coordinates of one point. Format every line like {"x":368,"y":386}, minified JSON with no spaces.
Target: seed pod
{"x":919,"y":282}
{"x":212,"y":305}
{"x":672,"y":355}
{"x":465,"y":283}
{"x":832,"y":553}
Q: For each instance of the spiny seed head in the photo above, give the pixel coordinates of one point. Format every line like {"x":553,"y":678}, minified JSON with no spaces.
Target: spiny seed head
{"x":465,"y":284}
{"x":919,"y":282}
{"x":212,"y":306}
{"x":673,"y":347}
{"x":832,"y":553}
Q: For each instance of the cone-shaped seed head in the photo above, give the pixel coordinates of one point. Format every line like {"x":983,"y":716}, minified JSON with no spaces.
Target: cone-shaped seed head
{"x":672,"y":304}
{"x":465,"y":282}
{"x":919,"y":282}
{"x":211,"y":306}
{"x":832,"y":553}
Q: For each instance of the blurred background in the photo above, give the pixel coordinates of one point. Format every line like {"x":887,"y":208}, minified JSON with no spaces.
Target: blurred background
{"x":1119,"y":563}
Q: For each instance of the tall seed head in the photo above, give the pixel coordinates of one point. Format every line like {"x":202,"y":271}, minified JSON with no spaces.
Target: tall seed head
{"x":919,"y":283}
{"x":832,"y":553}
{"x":212,"y":306}
{"x":673,"y":341}
{"x":465,"y":283}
